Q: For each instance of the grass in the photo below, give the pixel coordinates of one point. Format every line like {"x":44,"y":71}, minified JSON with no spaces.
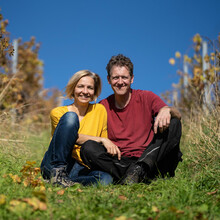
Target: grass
{"x":192,"y":194}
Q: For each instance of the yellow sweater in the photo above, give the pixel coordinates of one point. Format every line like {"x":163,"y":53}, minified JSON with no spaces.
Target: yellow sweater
{"x":94,"y":123}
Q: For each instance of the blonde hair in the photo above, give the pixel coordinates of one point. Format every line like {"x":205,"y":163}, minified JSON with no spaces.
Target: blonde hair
{"x":75,"y":79}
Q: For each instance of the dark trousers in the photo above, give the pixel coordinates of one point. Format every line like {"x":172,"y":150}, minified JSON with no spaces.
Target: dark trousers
{"x":161,"y":156}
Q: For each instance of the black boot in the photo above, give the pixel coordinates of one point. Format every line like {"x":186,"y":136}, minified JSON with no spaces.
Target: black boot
{"x":133,"y":175}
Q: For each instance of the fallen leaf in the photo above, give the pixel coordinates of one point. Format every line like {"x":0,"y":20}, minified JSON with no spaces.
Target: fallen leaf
{"x":180,"y":212}
{"x":17,"y":206}
{"x":36,"y":203}
{"x":172,"y":208}
{"x":2,"y":199}
{"x":61,"y":192}
{"x":139,"y":195}
{"x":42,"y":206}
{"x":155,"y":209}
{"x":175,"y":210}
{"x":59,"y":201}
{"x":32,"y":202}
{"x":40,"y":195}
{"x":79,"y":190}
{"x":16,"y":178}
{"x":213,"y":192}
{"x":121,"y":197}
{"x":30,"y":162}
{"x":122,"y":217}
{"x":26,"y":182}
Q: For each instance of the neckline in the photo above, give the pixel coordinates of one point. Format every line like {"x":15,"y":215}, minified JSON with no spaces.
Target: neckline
{"x":76,"y":112}
{"x":124,"y":108}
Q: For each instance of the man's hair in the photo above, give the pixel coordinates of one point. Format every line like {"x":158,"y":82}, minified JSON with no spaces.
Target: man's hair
{"x":120,"y":60}
{"x":70,"y":88}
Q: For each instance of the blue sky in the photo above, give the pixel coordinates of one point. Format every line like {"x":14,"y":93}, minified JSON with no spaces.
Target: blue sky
{"x":84,"y":34}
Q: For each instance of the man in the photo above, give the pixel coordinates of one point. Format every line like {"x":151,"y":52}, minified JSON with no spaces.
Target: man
{"x":145,"y":132}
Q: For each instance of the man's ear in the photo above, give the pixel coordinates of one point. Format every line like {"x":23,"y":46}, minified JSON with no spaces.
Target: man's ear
{"x":132,"y":79}
{"x":108,"y":78}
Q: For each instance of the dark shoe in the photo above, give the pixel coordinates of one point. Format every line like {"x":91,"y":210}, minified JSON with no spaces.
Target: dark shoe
{"x":60,"y":177}
{"x":133,"y":175}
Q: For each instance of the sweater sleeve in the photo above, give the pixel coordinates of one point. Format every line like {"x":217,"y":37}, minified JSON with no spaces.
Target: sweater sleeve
{"x":55,"y":116}
{"x":104,"y":127}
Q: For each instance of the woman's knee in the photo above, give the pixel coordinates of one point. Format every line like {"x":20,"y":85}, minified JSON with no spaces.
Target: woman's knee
{"x":70,"y":119}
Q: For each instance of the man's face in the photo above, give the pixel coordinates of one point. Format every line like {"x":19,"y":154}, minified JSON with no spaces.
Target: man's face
{"x":120,"y":80}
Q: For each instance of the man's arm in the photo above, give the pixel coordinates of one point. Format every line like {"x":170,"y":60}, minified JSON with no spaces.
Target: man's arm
{"x":110,"y":147}
{"x":163,"y":118}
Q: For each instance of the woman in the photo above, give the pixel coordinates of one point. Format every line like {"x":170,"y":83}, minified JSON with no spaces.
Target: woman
{"x":72,"y":126}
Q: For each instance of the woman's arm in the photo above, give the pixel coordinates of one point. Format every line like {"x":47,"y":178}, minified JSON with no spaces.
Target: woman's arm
{"x":108,"y":144}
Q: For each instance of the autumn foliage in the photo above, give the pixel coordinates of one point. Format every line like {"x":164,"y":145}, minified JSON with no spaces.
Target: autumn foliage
{"x":199,"y":71}
{"x":21,"y":87}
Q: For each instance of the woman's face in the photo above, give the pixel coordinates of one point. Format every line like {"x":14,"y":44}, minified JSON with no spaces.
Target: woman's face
{"x":84,"y":90}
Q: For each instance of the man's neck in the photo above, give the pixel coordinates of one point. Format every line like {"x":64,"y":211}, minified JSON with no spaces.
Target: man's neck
{"x":121,"y":101}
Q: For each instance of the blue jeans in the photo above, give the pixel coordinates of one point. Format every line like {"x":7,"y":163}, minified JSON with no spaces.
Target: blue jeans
{"x":86,"y":176}
{"x":59,"y":154}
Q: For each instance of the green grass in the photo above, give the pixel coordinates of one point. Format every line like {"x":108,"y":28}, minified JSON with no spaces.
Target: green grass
{"x":192,"y":194}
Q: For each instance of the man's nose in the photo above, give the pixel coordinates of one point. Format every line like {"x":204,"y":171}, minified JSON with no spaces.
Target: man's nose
{"x":120,"y":81}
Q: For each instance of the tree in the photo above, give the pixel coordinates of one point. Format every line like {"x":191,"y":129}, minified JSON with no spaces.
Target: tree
{"x":22,"y":91}
{"x":199,"y":72}
{"x":6,"y":48}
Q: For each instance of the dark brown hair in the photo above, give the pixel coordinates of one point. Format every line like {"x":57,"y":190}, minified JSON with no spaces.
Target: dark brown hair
{"x":120,"y":60}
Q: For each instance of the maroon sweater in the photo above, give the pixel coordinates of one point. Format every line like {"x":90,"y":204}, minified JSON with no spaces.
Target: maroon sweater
{"x":131,"y":128}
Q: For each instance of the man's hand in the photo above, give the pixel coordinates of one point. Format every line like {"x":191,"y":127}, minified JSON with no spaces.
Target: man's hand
{"x":163,"y":119}
{"x":111,"y":148}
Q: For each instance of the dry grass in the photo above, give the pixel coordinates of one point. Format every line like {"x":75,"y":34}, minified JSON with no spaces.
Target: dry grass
{"x":19,"y":137}
{"x":202,"y":138}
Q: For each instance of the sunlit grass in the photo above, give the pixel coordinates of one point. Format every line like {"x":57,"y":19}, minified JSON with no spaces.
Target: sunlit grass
{"x":192,"y":194}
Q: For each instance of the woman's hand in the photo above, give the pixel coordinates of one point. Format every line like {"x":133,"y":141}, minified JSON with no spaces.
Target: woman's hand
{"x":111,"y":148}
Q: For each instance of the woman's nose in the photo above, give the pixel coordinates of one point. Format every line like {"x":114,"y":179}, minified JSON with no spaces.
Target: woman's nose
{"x":85,"y":90}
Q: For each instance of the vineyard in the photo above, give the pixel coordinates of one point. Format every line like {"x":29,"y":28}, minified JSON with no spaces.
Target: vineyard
{"x":25,"y":134}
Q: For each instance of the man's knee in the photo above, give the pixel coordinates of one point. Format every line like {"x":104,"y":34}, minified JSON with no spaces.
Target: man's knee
{"x":91,"y":149}
{"x":175,"y":122}
{"x":175,"y":128}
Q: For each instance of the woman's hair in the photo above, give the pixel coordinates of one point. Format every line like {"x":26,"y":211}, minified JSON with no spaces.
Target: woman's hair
{"x":75,"y":79}
{"x":120,"y":60}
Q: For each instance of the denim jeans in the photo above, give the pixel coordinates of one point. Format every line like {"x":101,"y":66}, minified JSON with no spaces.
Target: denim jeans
{"x":59,"y":154}
{"x":86,"y":176}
